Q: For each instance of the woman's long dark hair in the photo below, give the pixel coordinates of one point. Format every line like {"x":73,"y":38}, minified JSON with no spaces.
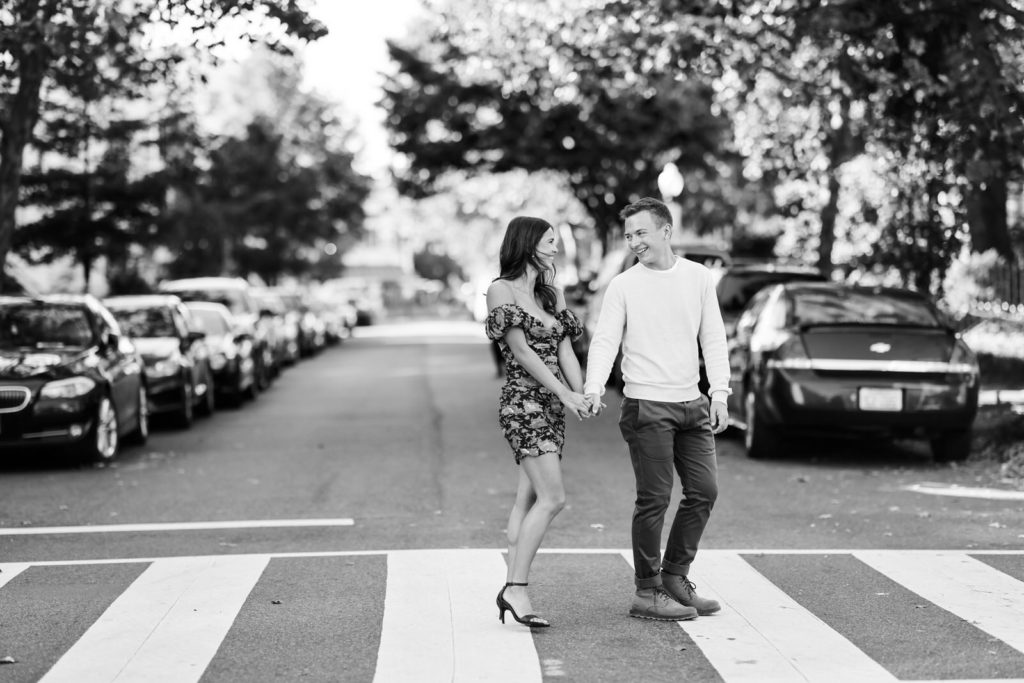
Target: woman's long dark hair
{"x":519,"y":249}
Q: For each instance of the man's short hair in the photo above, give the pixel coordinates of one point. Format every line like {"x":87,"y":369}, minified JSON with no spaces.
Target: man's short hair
{"x":650,"y":205}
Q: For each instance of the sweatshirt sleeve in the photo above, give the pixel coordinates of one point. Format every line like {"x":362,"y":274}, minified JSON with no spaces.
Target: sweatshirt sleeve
{"x":713,"y":342}
{"x":604,"y":347}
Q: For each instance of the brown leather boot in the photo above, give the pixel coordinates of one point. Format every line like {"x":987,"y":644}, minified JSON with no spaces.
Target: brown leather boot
{"x":655,"y":603}
{"x":685,"y":593}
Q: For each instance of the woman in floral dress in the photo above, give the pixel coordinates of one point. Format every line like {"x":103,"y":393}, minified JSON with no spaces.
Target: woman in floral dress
{"x":534,"y":329}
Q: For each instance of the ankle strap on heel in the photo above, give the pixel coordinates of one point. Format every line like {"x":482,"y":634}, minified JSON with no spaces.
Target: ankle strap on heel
{"x":513,"y":583}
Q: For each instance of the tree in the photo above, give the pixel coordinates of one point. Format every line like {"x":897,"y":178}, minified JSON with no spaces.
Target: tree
{"x":272,"y":198}
{"x":531,"y":86}
{"x":43,"y":41}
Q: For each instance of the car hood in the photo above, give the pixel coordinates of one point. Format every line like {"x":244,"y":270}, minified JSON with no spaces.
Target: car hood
{"x":43,"y":364}
{"x":157,"y":347}
{"x":879,"y":342}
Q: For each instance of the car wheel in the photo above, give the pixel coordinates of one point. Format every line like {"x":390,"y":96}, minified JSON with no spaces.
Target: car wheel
{"x":141,"y":433}
{"x":761,"y":440}
{"x":952,"y":446}
{"x":208,"y":404}
{"x":186,"y":414}
{"x":103,"y":442}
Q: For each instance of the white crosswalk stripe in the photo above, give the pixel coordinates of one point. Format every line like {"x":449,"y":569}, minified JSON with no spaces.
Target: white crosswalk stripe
{"x":970,"y":589}
{"x":166,"y":626}
{"x":438,"y":620}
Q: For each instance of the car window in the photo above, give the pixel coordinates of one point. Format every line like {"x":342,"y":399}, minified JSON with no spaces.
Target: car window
{"x":211,"y":322}
{"x":42,"y":326}
{"x":736,"y":289}
{"x":234,"y":299}
{"x":749,"y":316}
{"x":146,"y":322}
{"x":844,"y":307}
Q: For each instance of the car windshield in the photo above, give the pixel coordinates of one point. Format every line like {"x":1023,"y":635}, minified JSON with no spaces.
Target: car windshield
{"x":861,"y":308}
{"x":212,"y":322}
{"x":736,"y":289}
{"x":146,"y":322}
{"x":44,"y":326}
{"x":234,"y":300}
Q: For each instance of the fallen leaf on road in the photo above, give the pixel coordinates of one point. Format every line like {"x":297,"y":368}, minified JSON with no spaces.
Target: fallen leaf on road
{"x":275,"y":602}
{"x":8,"y":660}
{"x":597,"y":526}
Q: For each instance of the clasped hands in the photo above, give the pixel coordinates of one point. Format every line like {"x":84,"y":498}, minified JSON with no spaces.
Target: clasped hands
{"x":584,"y":405}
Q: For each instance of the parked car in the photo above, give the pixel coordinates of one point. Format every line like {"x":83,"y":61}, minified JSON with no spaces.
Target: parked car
{"x":237,"y":295}
{"x":68,"y":377}
{"x":738,"y":283}
{"x":302,"y":311}
{"x":284,"y":327}
{"x":231,"y":352}
{"x":179,"y":380}
{"x":827,"y":358}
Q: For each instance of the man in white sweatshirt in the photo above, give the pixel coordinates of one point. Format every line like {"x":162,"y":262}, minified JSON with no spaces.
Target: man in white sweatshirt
{"x":659,"y":310}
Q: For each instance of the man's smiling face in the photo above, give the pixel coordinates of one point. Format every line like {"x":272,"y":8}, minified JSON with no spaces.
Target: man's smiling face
{"x":649,"y":240}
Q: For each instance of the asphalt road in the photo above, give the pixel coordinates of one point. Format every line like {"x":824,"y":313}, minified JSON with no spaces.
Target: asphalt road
{"x":281,"y":524}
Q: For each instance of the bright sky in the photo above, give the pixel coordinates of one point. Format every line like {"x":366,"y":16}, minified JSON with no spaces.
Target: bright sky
{"x":346,"y":64}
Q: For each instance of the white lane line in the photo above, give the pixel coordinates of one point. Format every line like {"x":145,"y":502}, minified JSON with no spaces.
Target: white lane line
{"x":542,"y":551}
{"x":166,"y":626}
{"x":762,"y":634}
{"x":440,"y":621}
{"x":981,"y":595}
{"x":10,"y":570}
{"x":173,"y":526}
{"x":964,"y":491}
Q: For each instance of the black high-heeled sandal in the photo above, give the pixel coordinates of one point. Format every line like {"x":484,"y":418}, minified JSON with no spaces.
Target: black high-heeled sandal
{"x":531,"y":620}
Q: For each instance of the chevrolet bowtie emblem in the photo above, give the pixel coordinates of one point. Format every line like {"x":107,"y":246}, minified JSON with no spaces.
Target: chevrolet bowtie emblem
{"x":880,"y":347}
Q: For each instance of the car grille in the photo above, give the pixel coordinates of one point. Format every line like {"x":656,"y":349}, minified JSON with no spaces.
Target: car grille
{"x":13,"y":399}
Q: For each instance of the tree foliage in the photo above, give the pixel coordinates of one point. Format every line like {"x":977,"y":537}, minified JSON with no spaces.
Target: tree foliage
{"x":763,"y":104}
{"x":56,"y":52}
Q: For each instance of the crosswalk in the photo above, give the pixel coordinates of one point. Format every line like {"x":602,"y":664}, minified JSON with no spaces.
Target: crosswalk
{"x":429,"y":615}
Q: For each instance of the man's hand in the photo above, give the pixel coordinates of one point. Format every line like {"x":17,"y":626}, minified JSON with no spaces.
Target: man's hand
{"x":719,"y":413}
{"x":595,"y":404}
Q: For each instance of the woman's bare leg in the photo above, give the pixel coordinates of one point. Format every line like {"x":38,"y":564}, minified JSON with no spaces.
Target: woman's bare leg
{"x":545,"y":478}
{"x":525,"y":498}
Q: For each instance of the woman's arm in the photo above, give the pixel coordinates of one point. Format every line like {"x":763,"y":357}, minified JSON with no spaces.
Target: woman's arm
{"x":567,"y":359}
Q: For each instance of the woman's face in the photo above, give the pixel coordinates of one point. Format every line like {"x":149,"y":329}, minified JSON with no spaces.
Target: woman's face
{"x":547,"y":248}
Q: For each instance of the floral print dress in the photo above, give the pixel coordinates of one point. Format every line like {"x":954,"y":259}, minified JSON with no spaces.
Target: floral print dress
{"x":531,"y":417}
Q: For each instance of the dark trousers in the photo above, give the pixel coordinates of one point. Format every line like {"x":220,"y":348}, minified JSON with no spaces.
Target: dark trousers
{"x":663,"y":437}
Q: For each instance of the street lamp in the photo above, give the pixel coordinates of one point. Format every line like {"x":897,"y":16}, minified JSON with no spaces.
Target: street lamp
{"x":671,"y":184}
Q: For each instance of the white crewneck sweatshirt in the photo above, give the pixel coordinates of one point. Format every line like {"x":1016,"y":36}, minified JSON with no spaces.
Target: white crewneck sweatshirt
{"x":658,"y":317}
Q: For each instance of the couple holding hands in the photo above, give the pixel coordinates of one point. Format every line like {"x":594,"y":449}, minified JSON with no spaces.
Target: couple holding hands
{"x":658,"y":310}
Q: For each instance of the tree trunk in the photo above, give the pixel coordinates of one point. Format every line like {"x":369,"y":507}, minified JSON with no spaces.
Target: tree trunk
{"x":827,"y":239}
{"x":17,"y":131}
{"x":986,"y":216}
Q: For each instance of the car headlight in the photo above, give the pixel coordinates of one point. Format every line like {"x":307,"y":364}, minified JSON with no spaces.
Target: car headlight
{"x":73,"y":387}
{"x":163,"y":368}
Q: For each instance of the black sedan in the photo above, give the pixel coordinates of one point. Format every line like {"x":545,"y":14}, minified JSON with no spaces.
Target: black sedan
{"x":68,"y":378}
{"x":178,"y":375}
{"x":826,"y":359}
{"x":231,"y":351}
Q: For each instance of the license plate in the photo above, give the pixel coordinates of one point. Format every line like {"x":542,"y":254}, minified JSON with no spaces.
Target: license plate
{"x":887,"y":400}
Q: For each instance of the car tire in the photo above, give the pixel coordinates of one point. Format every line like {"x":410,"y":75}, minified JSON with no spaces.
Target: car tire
{"x":140,"y":435}
{"x":102,"y":444}
{"x":186,"y":413}
{"x":760,"y":439}
{"x":951,"y":446}
{"x":208,"y":403}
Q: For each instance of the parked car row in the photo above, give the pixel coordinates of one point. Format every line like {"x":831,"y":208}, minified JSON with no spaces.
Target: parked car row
{"x":85,"y":375}
{"x":814,"y":357}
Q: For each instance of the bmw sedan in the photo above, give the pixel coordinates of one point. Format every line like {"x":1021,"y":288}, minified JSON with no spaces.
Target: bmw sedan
{"x":68,"y":378}
{"x":827,"y":358}
{"x":178,"y":375}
